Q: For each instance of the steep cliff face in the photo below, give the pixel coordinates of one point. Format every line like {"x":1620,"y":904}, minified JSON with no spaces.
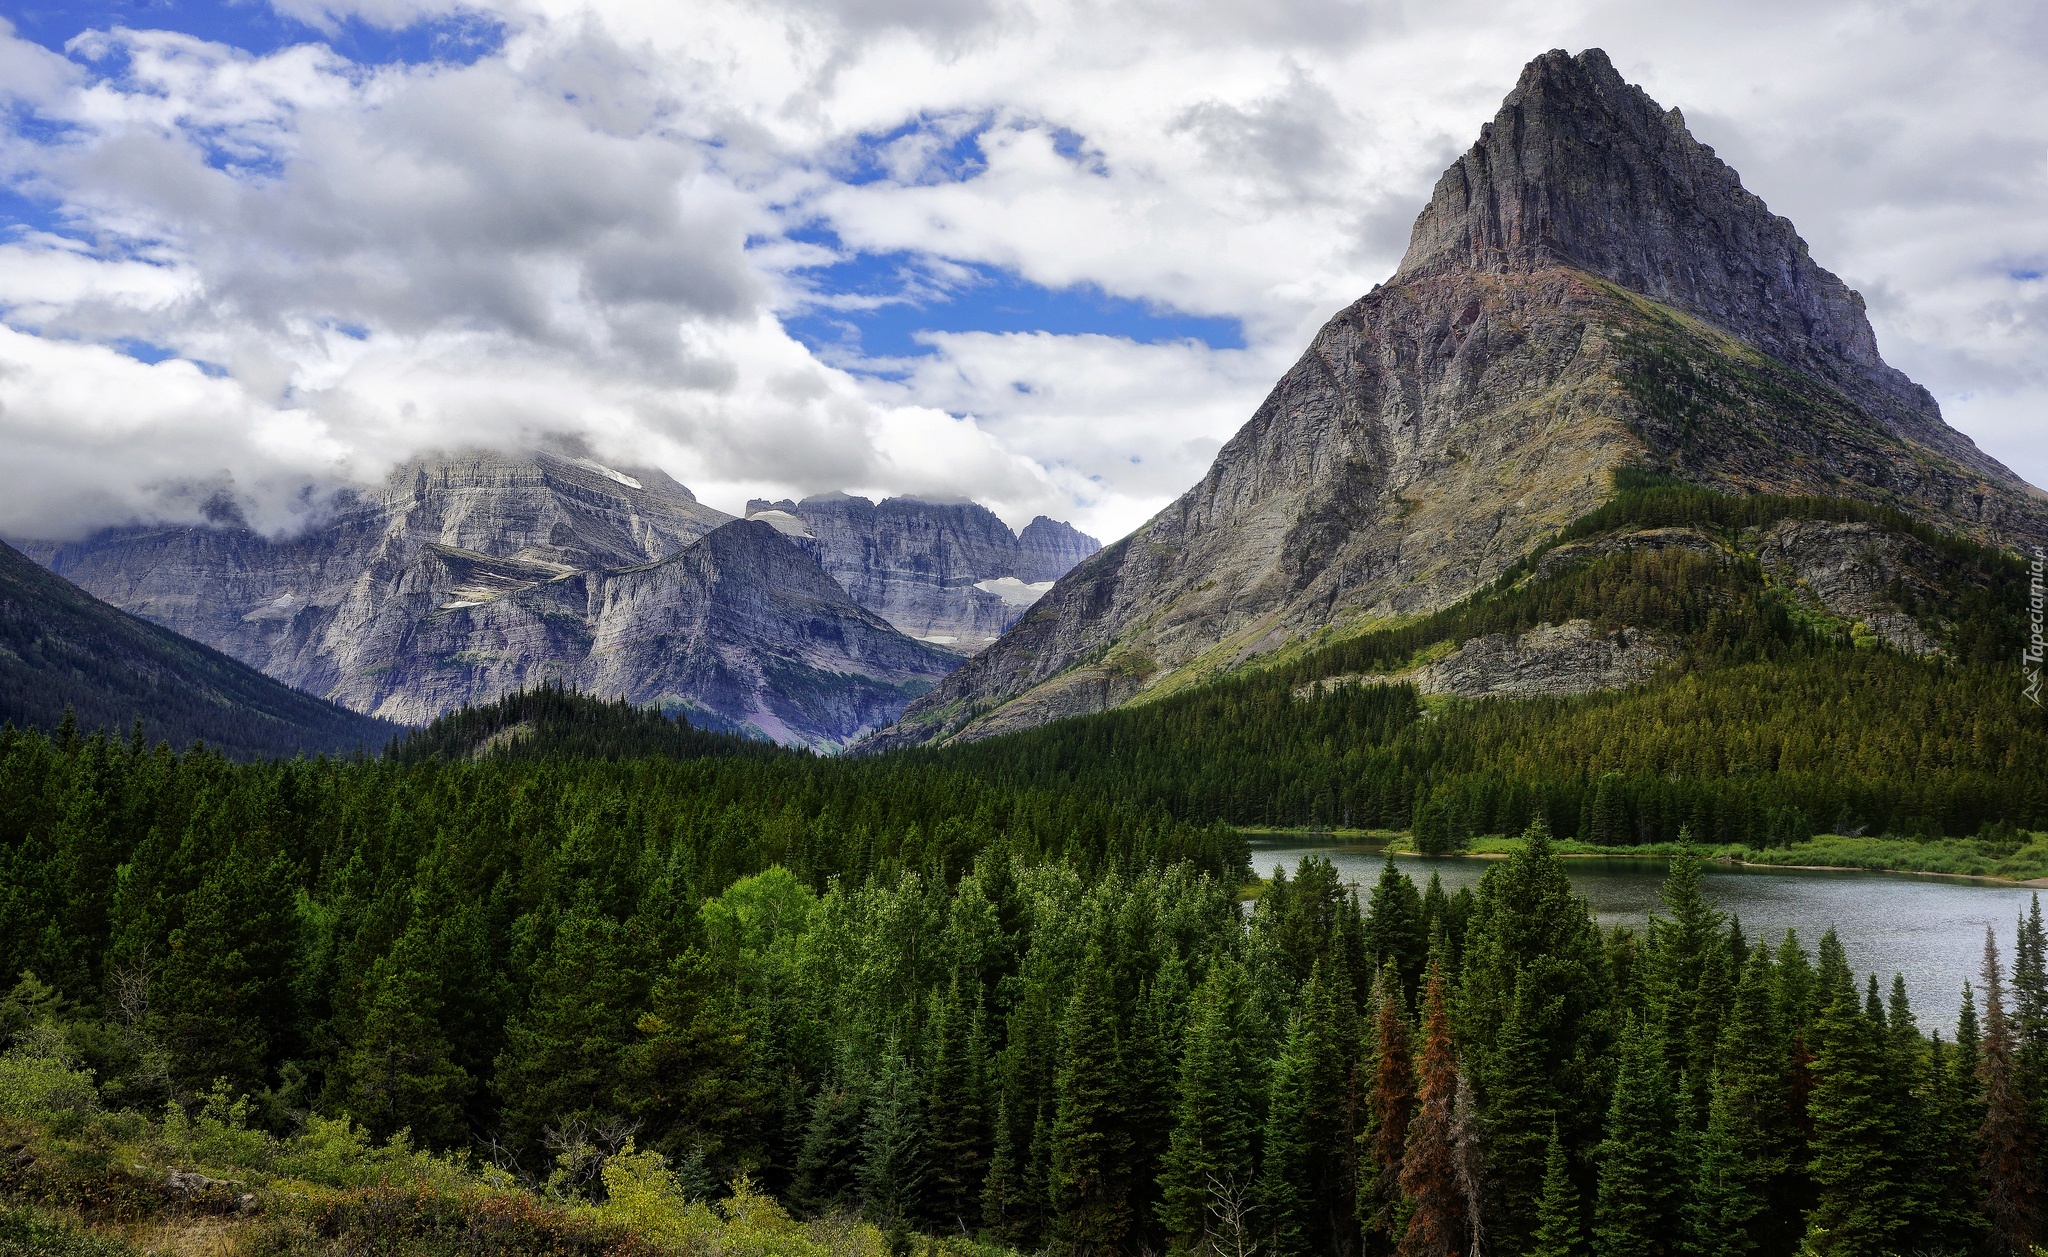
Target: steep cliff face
{"x":466,"y":576}
{"x":948,"y":573}
{"x":1589,"y":288}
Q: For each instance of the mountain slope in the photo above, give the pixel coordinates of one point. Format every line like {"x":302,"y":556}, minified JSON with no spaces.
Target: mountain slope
{"x":470,"y":576}
{"x":949,"y":573}
{"x":1590,"y":289}
{"x":60,"y":647}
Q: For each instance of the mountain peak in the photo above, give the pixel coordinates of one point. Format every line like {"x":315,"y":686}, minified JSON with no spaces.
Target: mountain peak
{"x":1581,"y":169}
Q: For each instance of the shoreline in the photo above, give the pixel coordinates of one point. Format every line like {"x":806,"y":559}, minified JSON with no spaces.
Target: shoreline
{"x":1364,"y":838}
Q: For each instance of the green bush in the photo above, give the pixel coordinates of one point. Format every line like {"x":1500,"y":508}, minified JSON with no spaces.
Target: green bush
{"x":23,"y":1233}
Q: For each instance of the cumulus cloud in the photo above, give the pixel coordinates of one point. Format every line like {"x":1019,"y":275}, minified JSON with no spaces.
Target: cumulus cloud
{"x":602,"y":229}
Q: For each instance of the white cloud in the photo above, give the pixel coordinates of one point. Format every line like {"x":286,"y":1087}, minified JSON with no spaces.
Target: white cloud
{"x":586,"y":232}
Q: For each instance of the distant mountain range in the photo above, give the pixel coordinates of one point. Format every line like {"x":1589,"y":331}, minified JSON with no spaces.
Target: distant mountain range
{"x":950,"y":573}
{"x":465,"y":577}
{"x":1590,"y":291}
{"x":63,"y":650}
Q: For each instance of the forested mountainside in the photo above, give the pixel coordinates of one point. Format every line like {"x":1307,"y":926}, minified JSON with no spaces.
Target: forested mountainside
{"x":949,"y":573}
{"x":1590,"y":289}
{"x":1725,"y":676}
{"x":63,"y":651}
{"x":897,"y":993}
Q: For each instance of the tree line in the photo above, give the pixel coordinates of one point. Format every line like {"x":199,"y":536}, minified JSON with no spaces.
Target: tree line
{"x":892,"y":990}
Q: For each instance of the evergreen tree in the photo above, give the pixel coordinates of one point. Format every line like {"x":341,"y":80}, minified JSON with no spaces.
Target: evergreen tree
{"x":1744,"y":1181}
{"x":1211,"y":1147}
{"x":1395,"y":929}
{"x":829,"y":1160}
{"x":1286,"y":1188}
{"x":1557,"y":1209}
{"x":1730,"y":1194}
{"x":1860,"y":1205}
{"x":1390,"y":1107}
{"x":400,"y":1071}
{"x":686,"y":1076}
{"x":1531,"y":943}
{"x":1636,"y":1211}
{"x":2010,"y":1137}
{"x":892,"y":1161}
{"x":954,"y":1111}
{"x":1088,"y":1181}
{"x":1430,"y":1187}
{"x":224,"y":1005}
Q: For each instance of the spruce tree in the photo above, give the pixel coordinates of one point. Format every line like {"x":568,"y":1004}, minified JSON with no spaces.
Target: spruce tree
{"x":1286,"y":1183}
{"x":1430,"y":1187}
{"x":1860,"y":1204}
{"x":1211,"y":1146}
{"x":1395,"y":930}
{"x":1557,"y":1209}
{"x":1636,"y":1211}
{"x":892,"y":1151}
{"x":1088,"y":1173}
{"x":954,"y":1105}
{"x":1390,"y":1106}
{"x":2009,"y":1139}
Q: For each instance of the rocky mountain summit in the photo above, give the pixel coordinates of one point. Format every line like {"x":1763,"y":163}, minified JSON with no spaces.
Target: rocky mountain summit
{"x":947,"y":573}
{"x":1590,"y":289}
{"x":469,"y":575}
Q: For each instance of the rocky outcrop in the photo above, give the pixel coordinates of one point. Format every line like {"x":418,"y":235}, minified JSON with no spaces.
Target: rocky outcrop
{"x":948,"y":573}
{"x":467,"y":576}
{"x":1576,"y":657}
{"x":1589,"y":288}
{"x":1859,"y":573}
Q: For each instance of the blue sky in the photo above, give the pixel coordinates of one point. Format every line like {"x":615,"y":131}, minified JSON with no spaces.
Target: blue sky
{"x":1049,"y":254}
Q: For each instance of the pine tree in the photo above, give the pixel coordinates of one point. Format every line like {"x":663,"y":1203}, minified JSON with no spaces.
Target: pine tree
{"x":1212,"y":1140}
{"x":686,"y":1076}
{"x":1532,"y":943}
{"x":1390,"y":1108}
{"x":1855,"y":1158}
{"x":892,"y":1161}
{"x":1088,"y":1183}
{"x":1430,"y":1184}
{"x":399,"y":1071}
{"x":224,"y":1004}
{"x":1287,"y":1176}
{"x":953,"y":1108}
{"x":1395,"y":930}
{"x":1744,"y":1179}
{"x":1557,"y":1209}
{"x":828,"y":1161}
{"x":1636,"y":1211}
{"x":2010,"y":1137}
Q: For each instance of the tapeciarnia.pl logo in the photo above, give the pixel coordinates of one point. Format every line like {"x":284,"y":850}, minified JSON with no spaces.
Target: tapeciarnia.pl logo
{"x":2037,"y":645}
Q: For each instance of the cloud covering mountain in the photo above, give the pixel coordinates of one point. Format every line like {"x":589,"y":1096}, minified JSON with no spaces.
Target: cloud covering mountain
{"x":1044,"y":254}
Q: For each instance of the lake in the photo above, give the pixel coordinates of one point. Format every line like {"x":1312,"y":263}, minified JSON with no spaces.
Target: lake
{"x":1930,"y":929}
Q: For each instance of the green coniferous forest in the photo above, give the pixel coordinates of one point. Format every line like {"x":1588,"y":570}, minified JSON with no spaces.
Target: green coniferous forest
{"x":559,"y":976}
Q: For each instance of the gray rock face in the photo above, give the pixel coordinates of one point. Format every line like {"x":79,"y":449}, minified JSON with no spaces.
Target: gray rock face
{"x":1589,"y":289}
{"x":1576,"y":657}
{"x":468,"y":576}
{"x":948,"y":573}
{"x":1858,"y":573}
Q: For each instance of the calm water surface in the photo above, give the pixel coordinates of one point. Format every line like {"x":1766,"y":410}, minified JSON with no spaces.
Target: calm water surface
{"x":1929,"y":929}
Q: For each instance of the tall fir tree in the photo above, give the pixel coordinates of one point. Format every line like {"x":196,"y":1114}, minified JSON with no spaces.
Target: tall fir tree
{"x":1430,"y":1187}
{"x":1860,"y":1205}
{"x":1212,"y":1144}
{"x":893,"y":1160}
{"x":1088,"y":1183}
{"x":954,"y":1110}
{"x":1636,"y":1212}
{"x":1558,"y":1228}
{"x":1390,"y":1107}
{"x":2010,"y":1138}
